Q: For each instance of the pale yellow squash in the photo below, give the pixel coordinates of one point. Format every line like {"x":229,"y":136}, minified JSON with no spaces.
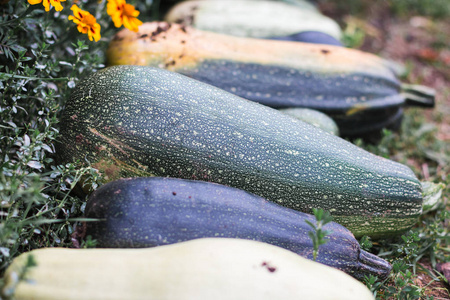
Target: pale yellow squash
{"x":212,"y":268}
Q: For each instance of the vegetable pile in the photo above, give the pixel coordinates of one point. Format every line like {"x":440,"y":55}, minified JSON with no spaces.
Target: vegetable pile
{"x":227,"y":162}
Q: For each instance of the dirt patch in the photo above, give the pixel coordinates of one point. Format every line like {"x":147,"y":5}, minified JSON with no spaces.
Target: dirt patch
{"x":420,"y":43}
{"x":438,"y":289}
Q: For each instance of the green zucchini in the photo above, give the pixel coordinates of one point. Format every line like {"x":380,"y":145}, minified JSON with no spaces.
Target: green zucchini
{"x":143,"y":121}
{"x":313,"y":117}
{"x":247,"y":18}
{"x":359,"y":90}
{"x":213,"y":268}
{"x":155,"y":211}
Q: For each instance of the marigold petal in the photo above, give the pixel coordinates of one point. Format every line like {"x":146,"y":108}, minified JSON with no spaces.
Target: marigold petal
{"x":130,"y":11}
{"x":136,"y":24}
{"x":75,"y":9}
{"x":127,"y":24}
{"x":118,"y":2}
{"x":86,"y":22}
{"x":110,"y":9}
{"x":117,"y":19}
{"x":33,"y":2}
{"x":94,"y":32}
{"x":131,"y":23}
{"x":113,"y":8}
{"x":46,"y":4}
{"x":76,"y":21}
{"x":83,"y":29}
{"x":76,"y":12}
{"x":57,"y":5}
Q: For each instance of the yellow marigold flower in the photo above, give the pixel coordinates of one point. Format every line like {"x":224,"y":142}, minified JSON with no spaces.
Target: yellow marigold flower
{"x":55,"y":3}
{"x":124,"y":14}
{"x":86,"y":22}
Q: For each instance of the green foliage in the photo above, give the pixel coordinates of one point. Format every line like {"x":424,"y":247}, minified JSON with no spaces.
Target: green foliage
{"x":432,"y":8}
{"x":430,"y":238}
{"x":353,"y":35}
{"x":42,"y":58}
{"x":416,"y":142}
{"x":88,"y":242}
{"x":365,"y":243}
{"x":318,"y":235}
{"x":405,"y":254}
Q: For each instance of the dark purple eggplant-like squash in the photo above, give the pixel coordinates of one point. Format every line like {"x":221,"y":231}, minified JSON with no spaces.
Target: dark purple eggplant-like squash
{"x":155,"y":211}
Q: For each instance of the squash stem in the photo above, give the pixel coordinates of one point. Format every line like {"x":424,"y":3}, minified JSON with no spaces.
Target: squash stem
{"x":431,"y":193}
{"x":418,"y":95}
{"x":372,"y":264}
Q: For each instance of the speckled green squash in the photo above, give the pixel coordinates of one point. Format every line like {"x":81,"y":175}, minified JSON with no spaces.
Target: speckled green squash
{"x":359,"y":90}
{"x":313,"y":117}
{"x":131,"y":120}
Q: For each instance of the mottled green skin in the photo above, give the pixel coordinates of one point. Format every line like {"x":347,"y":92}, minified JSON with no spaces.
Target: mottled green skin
{"x":154,"y":211}
{"x":283,"y":86}
{"x":313,"y":117}
{"x":359,"y":103}
{"x":169,"y":125}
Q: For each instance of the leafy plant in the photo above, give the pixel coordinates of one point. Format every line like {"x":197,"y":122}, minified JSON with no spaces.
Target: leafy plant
{"x":42,"y":58}
{"x":354,"y":34}
{"x":365,"y":243}
{"x":318,"y":234}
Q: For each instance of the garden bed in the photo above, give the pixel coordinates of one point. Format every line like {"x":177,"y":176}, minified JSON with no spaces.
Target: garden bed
{"x":43,"y":56}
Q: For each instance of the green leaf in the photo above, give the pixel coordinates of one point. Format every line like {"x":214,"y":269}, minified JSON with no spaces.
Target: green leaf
{"x":35,"y":165}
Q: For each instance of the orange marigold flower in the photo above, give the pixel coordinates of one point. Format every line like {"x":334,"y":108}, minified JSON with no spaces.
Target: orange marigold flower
{"x":124,"y":14}
{"x":86,"y":22}
{"x":55,"y":3}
